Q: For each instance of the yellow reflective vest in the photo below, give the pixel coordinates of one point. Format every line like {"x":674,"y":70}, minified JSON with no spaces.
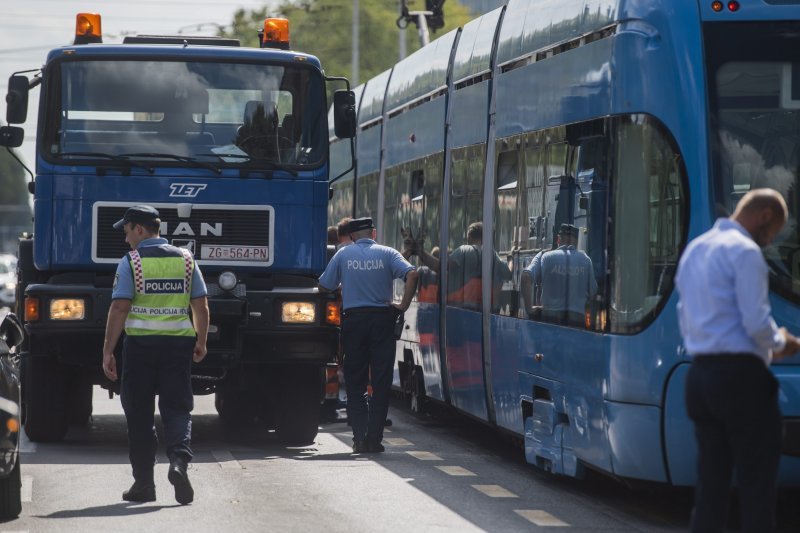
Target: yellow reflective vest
{"x":162,"y":278}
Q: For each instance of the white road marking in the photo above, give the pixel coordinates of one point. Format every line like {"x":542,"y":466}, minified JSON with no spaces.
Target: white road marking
{"x":226,"y":460}
{"x":425,"y":456}
{"x":26,"y":492}
{"x":456,"y":471}
{"x":495,"y":491}
{"x":397,"y":442}
{"x":540,"y":518}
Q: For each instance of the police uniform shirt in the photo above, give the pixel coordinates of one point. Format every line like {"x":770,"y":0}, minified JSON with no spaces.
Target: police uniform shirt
{"x":567,"y":279}
{"x":365,"y":270}
{"x":123,"y":281}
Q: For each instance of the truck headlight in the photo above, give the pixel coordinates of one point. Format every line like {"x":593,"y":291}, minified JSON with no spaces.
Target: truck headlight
{"x":67,"y":309}
{"x":227,"y":280}
{"x":298,"y":312}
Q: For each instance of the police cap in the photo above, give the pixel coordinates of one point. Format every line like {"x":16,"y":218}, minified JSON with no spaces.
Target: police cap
{"x":358,"y":224}
{"x":568,"y":229}
{"x":139,"y":214}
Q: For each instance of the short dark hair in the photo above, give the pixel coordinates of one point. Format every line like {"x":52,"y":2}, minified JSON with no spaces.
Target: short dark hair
{"x":153,"y":226}
{"x":333,"y":235}
{"x":342,"y":226}
{"x":475,"y":231}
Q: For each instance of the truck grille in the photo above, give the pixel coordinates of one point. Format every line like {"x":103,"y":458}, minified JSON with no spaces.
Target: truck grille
{"x":243,"y":226}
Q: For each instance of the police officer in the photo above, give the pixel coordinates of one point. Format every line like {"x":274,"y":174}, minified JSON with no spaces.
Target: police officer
{"x":154,"y":287}
{"x":366,"y":272}
{"x":566,"y":278}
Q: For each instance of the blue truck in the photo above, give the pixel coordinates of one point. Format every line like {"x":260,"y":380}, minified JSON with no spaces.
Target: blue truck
{"x":230,"y":144}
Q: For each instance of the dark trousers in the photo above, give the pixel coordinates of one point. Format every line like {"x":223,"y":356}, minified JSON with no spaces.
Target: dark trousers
{"x":369,"y":345}
{"x":733,"y":402}
{"x":153,"y":368}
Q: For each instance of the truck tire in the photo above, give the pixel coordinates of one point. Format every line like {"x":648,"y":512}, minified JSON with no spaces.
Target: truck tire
{"x":79,"y":401}
{"x":11,"y":494}
{"x":43,"y":389}
{"x":300,"y":392}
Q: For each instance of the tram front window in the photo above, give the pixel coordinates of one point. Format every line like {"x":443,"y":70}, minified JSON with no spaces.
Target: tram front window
{"x":755,"y":137}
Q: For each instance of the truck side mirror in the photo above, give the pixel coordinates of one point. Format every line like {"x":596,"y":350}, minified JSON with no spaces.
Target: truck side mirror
{"x":344,"y":114}
{"x":17,"y":100}
{"x":11,"y":330}
{"x":11,"y":136}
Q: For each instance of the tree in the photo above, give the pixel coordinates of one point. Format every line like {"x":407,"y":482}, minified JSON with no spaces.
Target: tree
{"x":323,"y":28}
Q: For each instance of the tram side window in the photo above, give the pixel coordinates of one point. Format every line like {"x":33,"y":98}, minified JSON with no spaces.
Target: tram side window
{"x":506,"y":218}
{"x":534,"y":241}
{"x":648,"y":221}
{"x":392,"y":201}
{"x":562,"y":276}
{"x":341,"y":204}
{"x":464,"y":285}
{"x":426,"y":184}
{"x":367,"y":196}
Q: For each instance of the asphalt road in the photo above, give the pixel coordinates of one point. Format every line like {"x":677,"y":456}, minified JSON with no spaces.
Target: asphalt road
{"x":439,"y":473}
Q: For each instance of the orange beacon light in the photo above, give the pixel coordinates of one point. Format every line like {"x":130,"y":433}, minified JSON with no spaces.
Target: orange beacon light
{"x":87,"y":28}
{"x":275,"y":33}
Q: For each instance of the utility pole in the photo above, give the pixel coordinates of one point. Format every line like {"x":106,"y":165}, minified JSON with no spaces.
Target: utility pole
{"x":402,"y":49}
{"x":354,"y":58}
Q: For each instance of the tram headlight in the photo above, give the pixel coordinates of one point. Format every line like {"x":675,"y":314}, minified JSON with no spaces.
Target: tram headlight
{"x":68,"y":309}
{"x":298,"y":312}
{"x":227,"y":280}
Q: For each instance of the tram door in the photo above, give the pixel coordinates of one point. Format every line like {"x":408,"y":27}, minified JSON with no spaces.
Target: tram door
{"x":463,"y":319}
{"x":547,"y":362}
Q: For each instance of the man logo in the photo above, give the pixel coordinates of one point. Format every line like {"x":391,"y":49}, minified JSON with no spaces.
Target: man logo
{"x":184,"y":243}
{"x":186,"y":190}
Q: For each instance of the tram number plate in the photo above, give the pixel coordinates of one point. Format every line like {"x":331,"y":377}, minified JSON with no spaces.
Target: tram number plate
{"x":235,"y":253}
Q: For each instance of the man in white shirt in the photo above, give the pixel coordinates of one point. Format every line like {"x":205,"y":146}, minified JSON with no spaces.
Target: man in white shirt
{"x":731,"y":395}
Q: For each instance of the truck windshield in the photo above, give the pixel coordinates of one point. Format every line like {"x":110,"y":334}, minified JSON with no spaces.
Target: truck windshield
{"x":225,"y":114}
{"x":755,"y":128}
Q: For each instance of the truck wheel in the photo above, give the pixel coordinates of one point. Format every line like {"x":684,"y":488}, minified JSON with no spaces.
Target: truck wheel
{"x":79,"y":401}
{"x":10,"y":494}
{"x":300,"y":393}
{"x":45,"y":415}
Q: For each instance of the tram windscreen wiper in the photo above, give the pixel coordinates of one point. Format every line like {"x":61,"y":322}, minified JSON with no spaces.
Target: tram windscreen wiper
{"x":184,"y":159}
{"x":260,"y":160}
{"x":112,"y":157}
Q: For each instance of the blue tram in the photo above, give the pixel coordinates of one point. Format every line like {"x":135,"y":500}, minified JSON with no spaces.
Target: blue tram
{"x":638,"y":123}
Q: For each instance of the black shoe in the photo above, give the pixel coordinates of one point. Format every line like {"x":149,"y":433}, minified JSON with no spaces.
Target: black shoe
{"x":184,"y":493}
{"x":387,"y":423}
{"x":360,"y":447}
{"x":375,"y":447}
{"x":140,"y":492}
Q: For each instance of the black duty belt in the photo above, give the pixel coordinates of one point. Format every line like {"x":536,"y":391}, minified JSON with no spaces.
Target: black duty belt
{"x":367,"y":309}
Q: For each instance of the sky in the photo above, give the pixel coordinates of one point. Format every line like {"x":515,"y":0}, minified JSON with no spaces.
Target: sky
{"x":30,"y":28}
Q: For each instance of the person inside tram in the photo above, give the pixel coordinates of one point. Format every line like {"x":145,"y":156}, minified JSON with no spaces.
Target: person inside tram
{"x":566,"y":278}
{"x":464,"y":285}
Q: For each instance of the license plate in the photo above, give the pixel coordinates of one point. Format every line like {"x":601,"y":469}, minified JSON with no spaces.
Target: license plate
{"x":235,"y":253}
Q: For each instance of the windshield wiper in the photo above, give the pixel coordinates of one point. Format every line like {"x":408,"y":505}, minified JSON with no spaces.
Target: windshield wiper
{"x":255,"y":159}
{"x":181,"y":158}
{"x":112,"y":157}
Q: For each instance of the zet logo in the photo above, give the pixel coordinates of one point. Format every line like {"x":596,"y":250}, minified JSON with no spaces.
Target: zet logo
{"x":186,"y":190}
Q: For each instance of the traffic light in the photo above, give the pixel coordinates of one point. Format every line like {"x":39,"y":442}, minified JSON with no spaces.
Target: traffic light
{"x":435,"y":21}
